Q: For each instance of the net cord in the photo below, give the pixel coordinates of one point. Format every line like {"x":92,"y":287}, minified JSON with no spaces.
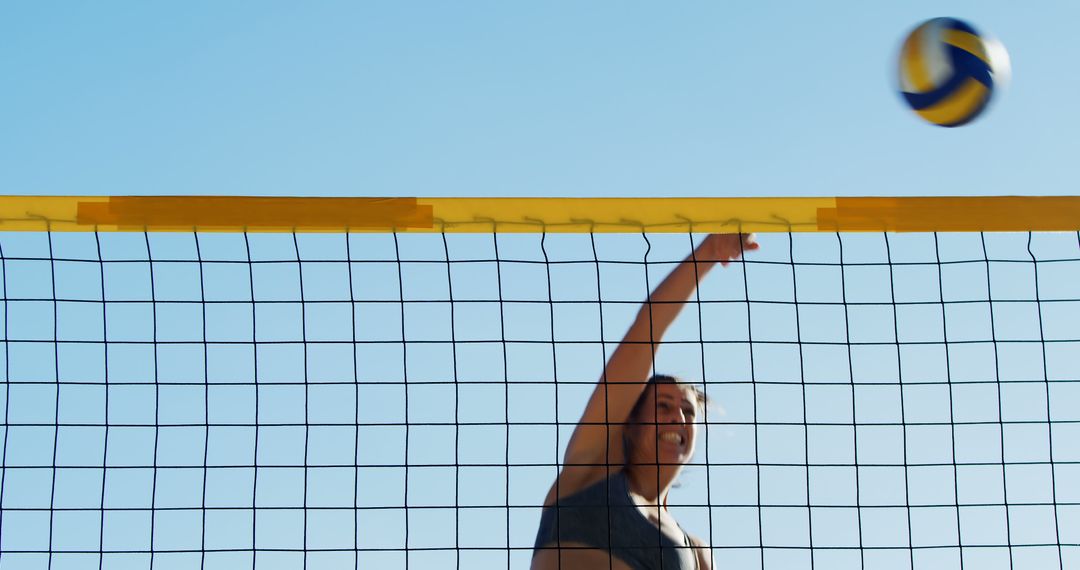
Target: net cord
{"x":7,"y":390}
{"x":854,"y":410}
{"x":157,"y":392}
{"x":802,"y":390}
{"x":555,"y":383}
{"x":405,"y":387}
{"x":603,"y":377}
{"x":903,"y":406}
{"x":255,"y":428}
{"x":307,"y":392}
{"x":754,"y":387}
{"x":356,"y":405}
{"x":206,"y":399}
{"x":952,"y":406}
{"x":705,"y":391}
{"x":1049,"y":416}
{"x":457,"y":407}
{"x":1001,"y":416}
{"x":505,"y":381}
{"x":105,"y":446}
{"x":56,"y":412}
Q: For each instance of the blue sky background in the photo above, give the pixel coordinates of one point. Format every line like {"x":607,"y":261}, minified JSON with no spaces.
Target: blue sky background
{"x":497,"y":99}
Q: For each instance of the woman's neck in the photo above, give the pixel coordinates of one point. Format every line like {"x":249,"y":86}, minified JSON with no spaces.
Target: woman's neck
{"x":651,"y":482}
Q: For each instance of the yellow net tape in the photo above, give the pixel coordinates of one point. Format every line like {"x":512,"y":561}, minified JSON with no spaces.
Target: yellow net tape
{"x":278,"y":214}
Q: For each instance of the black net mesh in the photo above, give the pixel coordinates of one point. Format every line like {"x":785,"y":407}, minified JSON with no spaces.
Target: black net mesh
{"x":400,"y":400}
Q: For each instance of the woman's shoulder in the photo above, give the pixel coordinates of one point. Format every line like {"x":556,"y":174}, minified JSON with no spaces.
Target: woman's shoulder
{"x":702,"y":550}
{"x":572,"y":480}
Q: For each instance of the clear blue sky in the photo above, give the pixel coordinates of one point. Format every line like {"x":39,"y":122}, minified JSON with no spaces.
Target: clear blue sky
{"x":513,"y":99}
{"x":493,"y":99}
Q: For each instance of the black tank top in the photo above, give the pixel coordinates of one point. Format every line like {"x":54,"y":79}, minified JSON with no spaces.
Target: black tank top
{"x":604,"y":516}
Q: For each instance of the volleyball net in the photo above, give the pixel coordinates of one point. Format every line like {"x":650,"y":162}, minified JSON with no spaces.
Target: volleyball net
{"x":396,"y":389}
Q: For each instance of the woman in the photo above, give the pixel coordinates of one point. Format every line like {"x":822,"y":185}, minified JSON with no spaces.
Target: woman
{"x":608,"y":506}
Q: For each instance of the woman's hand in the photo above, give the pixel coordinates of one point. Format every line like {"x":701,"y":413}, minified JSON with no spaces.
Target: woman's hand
{"x":724,"y":248}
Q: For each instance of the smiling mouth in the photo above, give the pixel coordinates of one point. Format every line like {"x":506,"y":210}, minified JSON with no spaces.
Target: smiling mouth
{"x":673,"y":437}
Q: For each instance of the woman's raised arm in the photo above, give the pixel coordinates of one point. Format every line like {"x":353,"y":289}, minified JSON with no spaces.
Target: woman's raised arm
{"x":597,"y":440}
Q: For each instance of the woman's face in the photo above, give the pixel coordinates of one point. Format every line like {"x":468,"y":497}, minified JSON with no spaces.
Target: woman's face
{"x":665,"y":431}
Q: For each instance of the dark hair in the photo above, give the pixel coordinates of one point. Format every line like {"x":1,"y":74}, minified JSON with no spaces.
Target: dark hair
{"x":635,"y":412}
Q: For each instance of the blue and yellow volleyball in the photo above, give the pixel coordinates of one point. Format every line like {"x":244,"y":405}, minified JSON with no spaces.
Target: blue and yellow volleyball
{"x":948,"y":71}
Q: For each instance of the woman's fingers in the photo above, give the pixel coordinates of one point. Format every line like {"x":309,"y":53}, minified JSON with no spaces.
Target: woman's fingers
{"x":724,"y":248}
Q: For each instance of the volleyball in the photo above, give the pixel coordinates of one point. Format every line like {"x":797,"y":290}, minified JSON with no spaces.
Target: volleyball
{"x":948,"y":71}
